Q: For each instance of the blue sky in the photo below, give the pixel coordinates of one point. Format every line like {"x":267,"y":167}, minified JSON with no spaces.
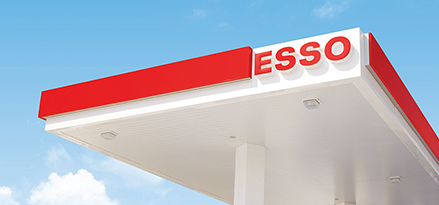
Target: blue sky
{"x":48,"y":44}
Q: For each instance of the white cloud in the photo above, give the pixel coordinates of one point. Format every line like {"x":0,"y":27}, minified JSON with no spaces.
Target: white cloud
{"x":331,"y":8}
{"x":224,"y":25}
{"x":71,"y":189}
{"x":6,"y":196}
{"x":162,"y":191}
{"x":57,"y":158}
{"x":197,"y":14}
{"x":132,"y":176}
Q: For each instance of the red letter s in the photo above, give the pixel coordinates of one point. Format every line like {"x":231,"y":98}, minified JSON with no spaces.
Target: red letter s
{"x":290,"y":58}
{"x":315,"y":53}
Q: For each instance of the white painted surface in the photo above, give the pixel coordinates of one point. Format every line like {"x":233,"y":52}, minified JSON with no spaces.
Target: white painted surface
{"x":249,"y":175}
{"x":346,"y":149}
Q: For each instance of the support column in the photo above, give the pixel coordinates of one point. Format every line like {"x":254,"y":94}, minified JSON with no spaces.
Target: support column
{"x":249,"y":175}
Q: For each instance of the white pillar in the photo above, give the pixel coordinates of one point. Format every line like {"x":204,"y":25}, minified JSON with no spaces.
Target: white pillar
{"x":249,"y":175}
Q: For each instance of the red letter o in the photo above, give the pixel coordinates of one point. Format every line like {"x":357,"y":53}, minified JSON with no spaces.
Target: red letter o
{"x":346,"y":48}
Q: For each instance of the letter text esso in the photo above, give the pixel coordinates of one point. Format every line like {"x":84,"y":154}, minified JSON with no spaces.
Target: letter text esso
{"x":309,"y":54}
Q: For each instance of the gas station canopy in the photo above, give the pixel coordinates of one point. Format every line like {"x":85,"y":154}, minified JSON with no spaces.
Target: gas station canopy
{"x":321,"y":120}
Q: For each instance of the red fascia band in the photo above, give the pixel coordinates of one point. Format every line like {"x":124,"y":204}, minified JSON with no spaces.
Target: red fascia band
{"x":388,"y":76}
{"x":192,"y":73}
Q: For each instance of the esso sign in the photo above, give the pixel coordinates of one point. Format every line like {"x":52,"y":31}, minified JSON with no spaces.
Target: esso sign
{"x":310,"y":56}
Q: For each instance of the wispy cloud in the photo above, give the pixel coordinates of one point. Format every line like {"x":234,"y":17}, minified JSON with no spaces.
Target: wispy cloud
{"x":71,"y":189}
{"x":331,"y":8}
{"x":224,"y":25}
{"x":6,"y":196}
{"x":132,"y":177}
{"x":197,"y":14}
{"x":162,"y":191}
{"x":58,"y":159}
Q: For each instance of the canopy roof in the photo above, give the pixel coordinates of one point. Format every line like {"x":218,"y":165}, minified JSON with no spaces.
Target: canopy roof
{"x":183,"y":122}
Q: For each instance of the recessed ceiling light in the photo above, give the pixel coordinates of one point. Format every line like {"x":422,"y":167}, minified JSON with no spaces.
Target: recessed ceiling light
{"x":311,"y":103}
{"x":108,"y":135}
{"x":395,"y":179}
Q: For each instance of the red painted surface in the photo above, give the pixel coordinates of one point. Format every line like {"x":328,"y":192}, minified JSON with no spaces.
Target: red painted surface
{"x":313,"y":52}
{"x":193,"y":73}
{"x":259,"y":63}
{"x":346,"y":48}
{"x":310,"y":49}
{"x":290,"y":58}
{"x":388,"y":76}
